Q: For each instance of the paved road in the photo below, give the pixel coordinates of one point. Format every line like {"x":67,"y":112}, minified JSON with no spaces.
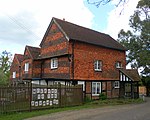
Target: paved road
{"x":122,"y":112}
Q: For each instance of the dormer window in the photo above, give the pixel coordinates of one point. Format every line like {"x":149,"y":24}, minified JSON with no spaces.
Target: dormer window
{"x":98,"y":65}
{"x":54,"y":63}
{"x":118,"y":64}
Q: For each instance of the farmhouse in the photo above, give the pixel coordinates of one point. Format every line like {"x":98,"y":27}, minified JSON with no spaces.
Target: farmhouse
{"x":72,"y":54}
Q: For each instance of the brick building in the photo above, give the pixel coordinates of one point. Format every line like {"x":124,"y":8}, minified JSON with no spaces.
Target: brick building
{"x":16,"y":69}
{"x":74,"y":54}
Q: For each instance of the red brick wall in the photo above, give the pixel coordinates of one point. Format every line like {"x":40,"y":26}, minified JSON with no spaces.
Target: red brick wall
{"x":27,"y":59}
{"x":86,"y":54}
{"x":36,"y":72}
{"x":62,"y":72}
{"x":15,"y":68}
{"x":54,"y":43}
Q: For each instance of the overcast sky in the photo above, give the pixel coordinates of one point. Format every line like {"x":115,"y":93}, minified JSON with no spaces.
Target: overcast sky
{"x":24,"y":22}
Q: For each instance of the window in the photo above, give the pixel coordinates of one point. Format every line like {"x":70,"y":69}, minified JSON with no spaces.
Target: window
{"x":116,"y":84}
{"x":26,"y":68}
{"x":96,"y":88}
{"x":54,"y":63}
{"x":98,"y":65}
{"x":14,"y":75}
{"x":118,"y":65}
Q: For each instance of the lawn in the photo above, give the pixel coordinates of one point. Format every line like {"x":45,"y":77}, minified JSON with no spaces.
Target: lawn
{"x":91,"y":104}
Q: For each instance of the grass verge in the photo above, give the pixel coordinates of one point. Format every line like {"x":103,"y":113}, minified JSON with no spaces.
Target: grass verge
{"x":92,"y":104}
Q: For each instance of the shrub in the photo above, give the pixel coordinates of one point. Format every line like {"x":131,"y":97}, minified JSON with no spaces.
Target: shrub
{"x":102,"y":96}
{"x":87,"y":99}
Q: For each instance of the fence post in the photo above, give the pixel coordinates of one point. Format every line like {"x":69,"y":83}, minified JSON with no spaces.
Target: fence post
{"x":30,"y":98}
{"x":59,"y":94}
{"x":82,"y":94}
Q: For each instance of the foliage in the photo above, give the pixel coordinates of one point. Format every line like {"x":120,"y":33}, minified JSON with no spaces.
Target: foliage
{"x":87,"y":99}
{"x":97,"y":3}
{"x":102,"y":96}
{"x":137,"y":40}
{"x":5,"y":62}
{"x":3,"y":78}
{"x":146,"y":82}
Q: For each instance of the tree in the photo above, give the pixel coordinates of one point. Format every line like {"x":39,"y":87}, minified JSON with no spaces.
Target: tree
{"x":137,"y":40}
{"x":5,"y":62}
{"x":97,"y":3}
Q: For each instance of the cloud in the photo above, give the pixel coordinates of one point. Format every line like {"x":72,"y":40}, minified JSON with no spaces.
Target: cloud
{"x":25,"y":21}
{"x":116,"y":22}
{"x":14,"y":29}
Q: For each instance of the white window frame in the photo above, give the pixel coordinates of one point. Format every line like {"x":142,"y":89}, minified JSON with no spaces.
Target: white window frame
{"x":116,"y":84}
{"x":26,"y":67}
{"x":54,"y":63}
{"x":98,"y":65}
{"x":118,"y":64}
{"x":14,"y":75}
{"x":97,"y":86}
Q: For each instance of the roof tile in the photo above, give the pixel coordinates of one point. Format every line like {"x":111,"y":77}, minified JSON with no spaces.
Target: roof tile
{"x":82,"y":34}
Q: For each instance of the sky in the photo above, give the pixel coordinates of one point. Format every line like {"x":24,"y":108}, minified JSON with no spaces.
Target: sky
{"x":24,"y":22}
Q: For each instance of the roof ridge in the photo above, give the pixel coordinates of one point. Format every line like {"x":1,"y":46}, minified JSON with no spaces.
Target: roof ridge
{"x":32,"y":46}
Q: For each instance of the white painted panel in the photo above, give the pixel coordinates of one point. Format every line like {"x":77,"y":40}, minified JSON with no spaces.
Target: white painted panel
{"x":120,"y":76}
{"x":82,"y":83}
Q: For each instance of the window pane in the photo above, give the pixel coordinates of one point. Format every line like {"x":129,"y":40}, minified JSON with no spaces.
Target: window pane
{"x":93,"y":88}
{"x":118,"y":65}
{"x":54,"y":63}
{"x":98,"y":88}
{"x":14,"y":74}
{"x":95,"y":65}
{"x":26,"y":67}
{"x":116,"y":84}
{"x":98,"y":65}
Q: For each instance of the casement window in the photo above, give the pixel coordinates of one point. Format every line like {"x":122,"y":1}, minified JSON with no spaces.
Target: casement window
{"x":118,"y":64}
{"x":14,"y":75}
{"x":54,"y":63}
{"x":96,"y":88}
{"x":116,"y":84}
{"x":98,"y":65}
{"x":26,"y":67}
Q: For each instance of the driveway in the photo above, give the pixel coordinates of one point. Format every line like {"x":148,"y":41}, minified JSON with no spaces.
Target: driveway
{"x":121,"y":112}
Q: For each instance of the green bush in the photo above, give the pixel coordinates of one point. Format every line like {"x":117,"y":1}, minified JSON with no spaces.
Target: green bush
{"x":87,"y":99}
{"x":102,"y":96}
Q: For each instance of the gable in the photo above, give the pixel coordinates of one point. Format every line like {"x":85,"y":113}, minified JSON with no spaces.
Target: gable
{"x":27,"y":54}
{"x":54,"y":42}
{"x":129,"y":74}
{"x":15,"y":64}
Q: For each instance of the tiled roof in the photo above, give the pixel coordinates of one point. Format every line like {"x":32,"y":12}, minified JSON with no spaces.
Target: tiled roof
{"x":19,"y":57}
{"x":132,"y":73}
{"x":34,"y":51}
{"x":82,"y":34}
